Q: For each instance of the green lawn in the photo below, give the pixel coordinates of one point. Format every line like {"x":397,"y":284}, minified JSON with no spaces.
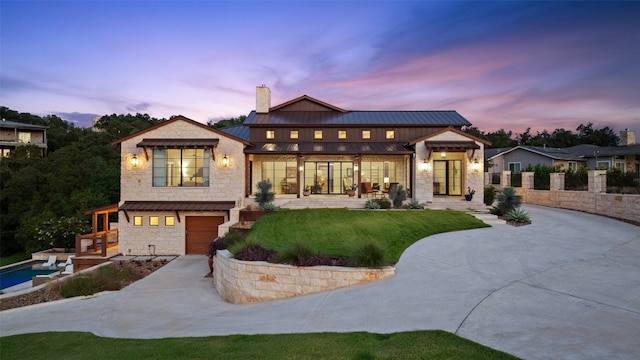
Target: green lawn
{"x":6,"y":260}
{"x":339,"y":231}
{"x":356,"y":345}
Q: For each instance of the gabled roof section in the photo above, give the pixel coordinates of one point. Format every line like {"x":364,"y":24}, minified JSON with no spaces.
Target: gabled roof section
{"x":449,"y":129}
{"x":305,"y":98}
{"x":552,"y":153}
{"x":239,"y":131}
{"x":180,"y":118}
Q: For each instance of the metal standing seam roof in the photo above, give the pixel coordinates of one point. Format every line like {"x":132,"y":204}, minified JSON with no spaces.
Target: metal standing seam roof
{"x":15,"y":124}
{"x":177,"y":205}
{"x":330,"y":148}
{"x":178,"y":142}
{"x":238,"y":131}
{"x":322,"y":118}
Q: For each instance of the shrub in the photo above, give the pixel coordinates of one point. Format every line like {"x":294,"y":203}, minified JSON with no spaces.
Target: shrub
{"x":255,"y":252}
{"x":105,"y":278}
{"x":518,"y":215}
{"x":298,"y":255}
{"x":414,"y":204}
{"x":234,"y":241}
{"x":368,"y":255}
{"x":80,"y":286}
{"x":264,"y":194}
{"x":397,"y":195}
{"x":507,"y":201}
{"x":384,"y":203}
{"x":58,"y":232}
{"x":269,"y":206}
{"x":372,"y":204}
{"x":489,"y":195}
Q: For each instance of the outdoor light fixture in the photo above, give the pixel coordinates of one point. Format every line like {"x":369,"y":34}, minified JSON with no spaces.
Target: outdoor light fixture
{"x":225,"y":161}
{"x":301,"y":168}
{"x":134,"y":161}
{"x":424,"y":166}
{"x":476,"y":165}
{"x":443,"y":154}
{"x":355,"y":167}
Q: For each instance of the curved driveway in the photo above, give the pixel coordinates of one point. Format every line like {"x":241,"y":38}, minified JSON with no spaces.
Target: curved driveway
{"x":566,"y":286}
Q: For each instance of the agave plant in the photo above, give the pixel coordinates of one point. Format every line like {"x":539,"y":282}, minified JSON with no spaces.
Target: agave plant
{"x":264,"y":194}
{"x":518,"y":215}
{"x":507,"y":201}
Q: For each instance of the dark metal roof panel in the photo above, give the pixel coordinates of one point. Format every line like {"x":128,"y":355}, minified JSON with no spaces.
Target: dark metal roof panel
{"x":330,"y":148}
{"x":451,"y":145}
{"x":239,"y":131}
{"x":178,"y":142}
{"x":409,"y":118}
{"x":177,"y":205}
{"x":19,"y":125}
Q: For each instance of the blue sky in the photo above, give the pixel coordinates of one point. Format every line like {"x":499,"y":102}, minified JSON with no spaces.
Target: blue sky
{"x":510,"y":65}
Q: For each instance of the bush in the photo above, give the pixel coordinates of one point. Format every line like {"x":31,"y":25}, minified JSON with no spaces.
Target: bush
{"x":368,"y":255}
{"x":234,"y":241}
{"x":269,"y":206}
{"x":264,"y":194}
{"x":255,"y":252}
{"x":299,"y":255}
{"x":105,"y":278}
{"x":518,"y":215}
{"x":507,"y":201}
{"x":397,"y":195}
{"x":58,"y":232}
{"x":372,"y":204}
{"x":414,"y":204}
{"x":384,"y":203}
{"x":489,"y":195}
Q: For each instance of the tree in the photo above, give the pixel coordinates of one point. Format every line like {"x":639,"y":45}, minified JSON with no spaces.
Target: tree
{"x":227,"y":122}
{"x":119,"y":126}
{"x":501,"y":139}
{"x":601,"y":137}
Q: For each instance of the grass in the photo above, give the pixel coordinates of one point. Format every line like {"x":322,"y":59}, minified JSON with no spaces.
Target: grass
{"x":339,"y":232}
{"x":356,"y":345}
{"x":7,"y":260}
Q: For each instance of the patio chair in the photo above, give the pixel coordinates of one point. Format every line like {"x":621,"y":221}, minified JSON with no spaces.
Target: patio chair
{"x":365,"y":189}
{"x":51,"y":262}
{"x":68,"y":270}
{"x":68,"y":262}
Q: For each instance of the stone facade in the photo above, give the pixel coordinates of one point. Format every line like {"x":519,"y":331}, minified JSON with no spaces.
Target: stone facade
{"x":242,"y":282}
{"x":226,"y":184}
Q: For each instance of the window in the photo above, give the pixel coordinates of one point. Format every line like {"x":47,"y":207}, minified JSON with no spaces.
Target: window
{"x":620,"y":165}
{"x":137,"y":221}
{"x":181,"y":167}
{"x":603,"y":165}
{"x":573,"y":165}
{"x":317,"y":134}
{"x":169,"y":221}
{"x":342,"y":134}
{"x":24,"y":137}
{"x":366,"y":134}
{"x":153,"y":221}
{"x":282,"y":175}
{"x":293,"y":134}
{"x":390,"y":134}
{"x":271,"y":134}
{"x":514,"y":167}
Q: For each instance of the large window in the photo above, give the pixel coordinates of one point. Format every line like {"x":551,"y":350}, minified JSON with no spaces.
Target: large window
{"x":379,"y":173}
{"x":282,"y":175}
{"x":24,"y":137}
{"x":515,"y":167}
{"x":181,"y":167}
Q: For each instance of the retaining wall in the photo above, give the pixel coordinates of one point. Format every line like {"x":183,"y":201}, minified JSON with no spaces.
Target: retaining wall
{"x":242,"y":282}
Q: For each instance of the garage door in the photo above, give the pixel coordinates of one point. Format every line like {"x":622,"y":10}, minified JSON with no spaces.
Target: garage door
{"x":200,"y":231}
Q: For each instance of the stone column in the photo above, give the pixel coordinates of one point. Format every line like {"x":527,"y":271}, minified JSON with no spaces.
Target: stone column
{"x":597,"y":181}
{"x":557,"y":182}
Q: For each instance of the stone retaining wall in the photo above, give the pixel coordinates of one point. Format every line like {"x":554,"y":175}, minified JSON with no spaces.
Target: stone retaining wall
{"x":242,"y":282}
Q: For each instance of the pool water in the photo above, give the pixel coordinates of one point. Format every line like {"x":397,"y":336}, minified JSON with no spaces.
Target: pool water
{"x":23,"y":273}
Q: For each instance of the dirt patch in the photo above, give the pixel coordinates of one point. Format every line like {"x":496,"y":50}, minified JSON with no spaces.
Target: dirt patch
{"x":52,"y":293}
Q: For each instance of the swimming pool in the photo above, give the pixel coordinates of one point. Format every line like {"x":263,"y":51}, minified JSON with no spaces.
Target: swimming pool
{"x":23,"y":273}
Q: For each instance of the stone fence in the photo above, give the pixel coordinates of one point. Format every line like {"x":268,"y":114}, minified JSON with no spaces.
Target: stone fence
{"x":595,"y":200}
{"x":242,"y":282}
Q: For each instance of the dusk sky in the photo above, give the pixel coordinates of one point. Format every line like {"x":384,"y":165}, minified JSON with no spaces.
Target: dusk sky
{"x":510,"y":65}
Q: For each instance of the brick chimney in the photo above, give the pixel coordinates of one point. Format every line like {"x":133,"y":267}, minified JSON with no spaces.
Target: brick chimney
{"x":263,"y":99}
{"x":627,"y":137}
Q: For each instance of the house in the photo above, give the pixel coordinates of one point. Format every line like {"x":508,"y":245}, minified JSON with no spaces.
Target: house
{"x":179,"y":181}
{"x":306,"y":143}
{"x":14,"y":134}
{"x":625,"y":157}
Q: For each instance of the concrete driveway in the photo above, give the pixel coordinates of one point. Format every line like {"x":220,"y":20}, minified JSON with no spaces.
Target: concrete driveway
{"x":566,"y":286}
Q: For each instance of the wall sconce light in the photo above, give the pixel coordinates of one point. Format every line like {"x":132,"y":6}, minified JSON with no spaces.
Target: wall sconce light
{"x":443,"y":154}
{"x":134,"y":161}
{"x":225,"y":161}
{"x":476,"y":165}
{"x":424,"y":166}
{"x":355,"y":167}
{"x":301,"y":168}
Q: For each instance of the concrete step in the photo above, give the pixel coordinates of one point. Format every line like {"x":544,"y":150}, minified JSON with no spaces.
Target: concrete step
{"x":489,"y":218}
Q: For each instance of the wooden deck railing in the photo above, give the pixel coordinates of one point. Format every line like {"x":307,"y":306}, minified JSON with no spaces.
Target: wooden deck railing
{"x":92,"y":244}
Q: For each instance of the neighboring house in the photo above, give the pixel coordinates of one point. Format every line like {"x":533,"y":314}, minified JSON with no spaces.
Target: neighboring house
{"x":305,"y":143}
{"x":14,"y":134}
{"x":179,"y":179}
{"x":625,"y":157}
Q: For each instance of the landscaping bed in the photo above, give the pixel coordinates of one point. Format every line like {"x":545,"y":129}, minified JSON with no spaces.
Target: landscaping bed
{"x":136,"y":269}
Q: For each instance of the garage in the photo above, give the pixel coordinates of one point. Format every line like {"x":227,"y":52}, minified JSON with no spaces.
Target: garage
{"x":200,"y":230}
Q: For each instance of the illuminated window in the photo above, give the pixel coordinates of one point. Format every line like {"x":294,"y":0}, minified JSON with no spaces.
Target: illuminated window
{"x":154,"y":221}
{"x":181,"y":167}
{"x":366,"y":134}
{"x":293,"y":134}
{"x":24,"y":137}
{"x":169,"y":221}
{"x":137,"y":221}
{"x":317,"y":134}
{"x":342,"y":134}
{"x":390,"y":134}
{"x":271,"y":134}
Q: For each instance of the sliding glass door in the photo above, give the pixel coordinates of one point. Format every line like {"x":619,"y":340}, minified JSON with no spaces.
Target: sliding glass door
{"x":328,"y":177}
{"x":447,"y":177}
